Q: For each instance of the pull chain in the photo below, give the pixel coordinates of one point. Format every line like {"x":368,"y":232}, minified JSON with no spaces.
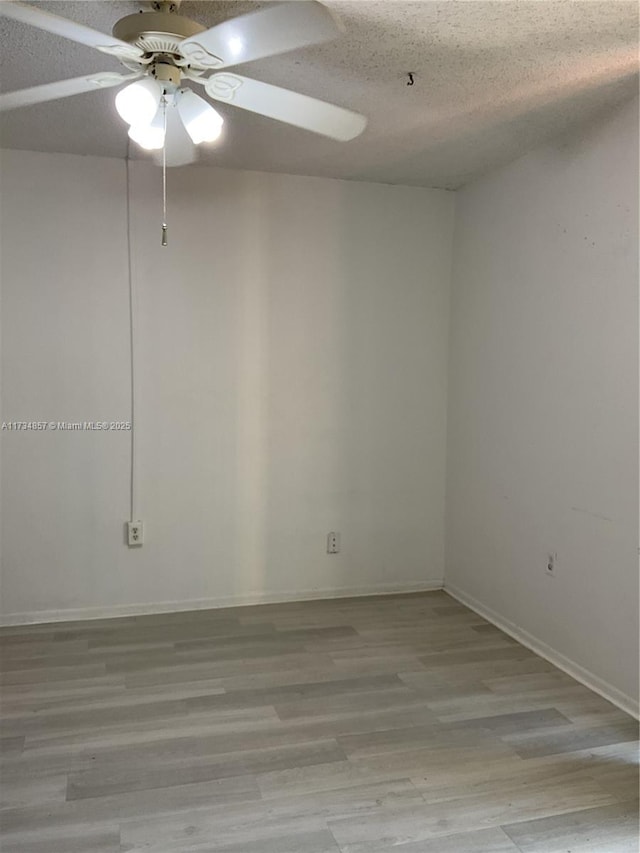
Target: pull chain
{"x":164,"y":175}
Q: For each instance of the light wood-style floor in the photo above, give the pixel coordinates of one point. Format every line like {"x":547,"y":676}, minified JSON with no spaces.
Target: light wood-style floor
{"x":399,"y":723}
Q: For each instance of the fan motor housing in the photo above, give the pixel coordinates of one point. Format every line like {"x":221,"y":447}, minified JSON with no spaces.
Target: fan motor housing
{"x":165,"y":72}
{"x":156,"y":32}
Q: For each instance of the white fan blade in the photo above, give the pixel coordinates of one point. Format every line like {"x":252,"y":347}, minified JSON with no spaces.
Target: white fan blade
{"x":180,"y":150}
{"x":68,"y":29}
{"x":278,"y":29}
{"x":62,"y":89}
{"x":283,"y":105}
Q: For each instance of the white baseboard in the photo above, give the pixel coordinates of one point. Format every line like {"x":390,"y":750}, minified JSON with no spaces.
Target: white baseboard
{"x":239,"y":600}
{"x":584,"y":676}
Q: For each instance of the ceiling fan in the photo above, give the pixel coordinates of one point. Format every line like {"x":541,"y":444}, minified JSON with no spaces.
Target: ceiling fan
{"x":162,"y":49}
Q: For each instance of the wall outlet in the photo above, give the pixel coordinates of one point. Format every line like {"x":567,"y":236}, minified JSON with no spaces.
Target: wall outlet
{"x":552,"y":559}
{"x":135,"y":532}
{"x":333,"y":543}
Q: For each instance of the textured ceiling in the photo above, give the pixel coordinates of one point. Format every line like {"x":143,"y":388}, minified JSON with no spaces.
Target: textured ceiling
{"x":492,"y":80}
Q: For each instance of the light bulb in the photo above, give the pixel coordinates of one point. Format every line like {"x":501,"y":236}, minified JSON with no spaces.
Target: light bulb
{"x":202,"y":122}
{"x":138,"y":103}
{"x":149,"y":136}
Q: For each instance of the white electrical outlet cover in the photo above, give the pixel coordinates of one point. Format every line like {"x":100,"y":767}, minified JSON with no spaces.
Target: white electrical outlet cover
{"x":135,"y":533}
{"x":333,"y":543}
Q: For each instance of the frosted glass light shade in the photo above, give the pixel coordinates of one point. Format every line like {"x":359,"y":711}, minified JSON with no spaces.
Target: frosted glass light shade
{"x":201,"y":121}
{"x":138,"y":102}
{"x":149,"y":136}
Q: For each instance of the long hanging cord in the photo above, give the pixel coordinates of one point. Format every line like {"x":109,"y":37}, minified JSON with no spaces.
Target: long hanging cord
{"x":164,"y":174}
{"x":132,"y":480}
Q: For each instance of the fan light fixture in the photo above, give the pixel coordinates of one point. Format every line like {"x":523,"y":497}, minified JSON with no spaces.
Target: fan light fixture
{"x":138,"y":102}
{"x":160,"y":49}
{"x":201,"y":121}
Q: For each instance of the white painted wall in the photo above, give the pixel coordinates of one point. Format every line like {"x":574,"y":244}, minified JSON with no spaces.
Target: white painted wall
{"x":291,"y":358}
{"x":543,"y":399}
